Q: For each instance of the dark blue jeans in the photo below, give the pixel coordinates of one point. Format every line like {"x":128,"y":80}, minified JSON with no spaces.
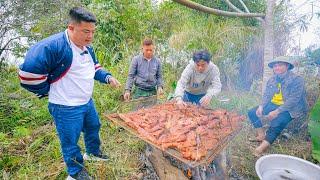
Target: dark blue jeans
{"x":70,"y":121}
{"x":276,"y":125}
{"x":192,"y":98}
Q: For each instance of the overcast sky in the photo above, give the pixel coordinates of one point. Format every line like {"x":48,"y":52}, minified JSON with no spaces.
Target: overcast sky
{"x":302,"y":7}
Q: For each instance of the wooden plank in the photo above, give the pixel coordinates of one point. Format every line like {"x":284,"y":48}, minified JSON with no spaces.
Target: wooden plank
{"x":163,"y":167}
{"x":205,"y":161}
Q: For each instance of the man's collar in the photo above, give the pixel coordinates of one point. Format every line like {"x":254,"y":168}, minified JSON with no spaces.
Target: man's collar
{"x":67,"y":36}
{"x":144,"y":58}
{"x":282,"y":77}
{"x":147,"y":59}
{"x":72,"y":44}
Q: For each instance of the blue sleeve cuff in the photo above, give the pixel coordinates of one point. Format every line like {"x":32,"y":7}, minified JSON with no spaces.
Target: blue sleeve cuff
{"x":107,"y":78}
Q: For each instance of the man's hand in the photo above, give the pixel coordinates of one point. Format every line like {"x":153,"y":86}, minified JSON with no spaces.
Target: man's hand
{"x":126,"y":95}
{"x":160,"y":91}
{"x":114,"y":82}
{"x":259,"y":111}
{"x":205,"y":101}
{"x":180,"y":103}
{"x":273,"y":114}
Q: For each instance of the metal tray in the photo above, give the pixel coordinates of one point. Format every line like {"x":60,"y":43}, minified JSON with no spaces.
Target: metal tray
{"x":174,"y":153}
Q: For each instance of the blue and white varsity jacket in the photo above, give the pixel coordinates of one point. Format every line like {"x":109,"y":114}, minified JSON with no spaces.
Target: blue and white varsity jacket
{"x":48,"y":61}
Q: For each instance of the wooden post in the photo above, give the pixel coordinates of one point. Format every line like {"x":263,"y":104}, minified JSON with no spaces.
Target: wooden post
{"x":163,"y":167}
{"x":166,"y":171}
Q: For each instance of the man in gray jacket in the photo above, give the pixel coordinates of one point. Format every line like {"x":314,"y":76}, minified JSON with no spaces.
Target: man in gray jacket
{"x":284,"y":99}
{"x":200,"y":80}
{"x":145,"y":73}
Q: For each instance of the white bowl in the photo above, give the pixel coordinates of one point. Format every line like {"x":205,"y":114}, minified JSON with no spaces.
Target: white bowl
{"x":284,"y":167}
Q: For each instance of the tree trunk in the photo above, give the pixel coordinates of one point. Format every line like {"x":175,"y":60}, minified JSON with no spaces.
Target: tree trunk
{"x":268,"y":42}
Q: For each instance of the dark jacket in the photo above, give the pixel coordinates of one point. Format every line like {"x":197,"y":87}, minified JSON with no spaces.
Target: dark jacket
{"x":145,"y":74}
{"x":293,"y":92}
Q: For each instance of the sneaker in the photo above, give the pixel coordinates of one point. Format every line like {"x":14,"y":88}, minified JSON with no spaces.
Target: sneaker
{"x":92,"y":157}
{"x":82,"y":175}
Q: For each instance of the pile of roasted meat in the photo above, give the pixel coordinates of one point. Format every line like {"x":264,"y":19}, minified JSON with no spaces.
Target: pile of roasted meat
{"x":189,"y":129}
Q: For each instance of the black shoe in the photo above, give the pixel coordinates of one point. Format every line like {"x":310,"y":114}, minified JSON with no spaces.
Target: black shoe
{"x":92,"y":157}
{"x":81,"y":175}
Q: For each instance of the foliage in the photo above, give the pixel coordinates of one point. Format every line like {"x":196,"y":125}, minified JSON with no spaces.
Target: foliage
{"x":313,"y":55}
{"x":31,"y":149}
{"x":282,"y":29}
{"x":16,"y":108}
{"x":124,"y":24}
{"x":22,"y":22}
{"x":254,"y":6}
{"x":314,"y":129}
{"x":29,"y":146}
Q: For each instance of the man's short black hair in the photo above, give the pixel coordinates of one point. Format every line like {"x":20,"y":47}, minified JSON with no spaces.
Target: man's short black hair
{"x":201,"y":55}
{"x":147,"y":42}
{"x":79,"y":14}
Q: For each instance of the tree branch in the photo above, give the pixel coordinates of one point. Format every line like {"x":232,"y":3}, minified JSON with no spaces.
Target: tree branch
{"x":233,"y":6}
{"x":5,"y":30}
{"x":244,"y":6}
{"x":5,"y":46}
{"x":206,"y":9}
{"x":6,"y":49}
{"x":239,"y":10}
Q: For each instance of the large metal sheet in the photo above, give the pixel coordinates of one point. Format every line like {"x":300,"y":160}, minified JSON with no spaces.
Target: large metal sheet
{"x":176,"y":154}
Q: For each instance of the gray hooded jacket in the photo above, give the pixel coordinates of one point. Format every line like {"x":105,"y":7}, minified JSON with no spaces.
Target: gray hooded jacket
{"x":194,"y":82}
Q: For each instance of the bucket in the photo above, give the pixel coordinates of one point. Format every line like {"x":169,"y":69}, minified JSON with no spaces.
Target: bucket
{"x":284,"y":167}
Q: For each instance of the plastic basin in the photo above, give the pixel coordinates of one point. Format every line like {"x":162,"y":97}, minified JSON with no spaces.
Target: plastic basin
{"x":284,"y":167}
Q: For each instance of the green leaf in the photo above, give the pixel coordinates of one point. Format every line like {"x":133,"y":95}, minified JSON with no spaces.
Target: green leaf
{"x":20,"y":131}
{"x":314,"y":129}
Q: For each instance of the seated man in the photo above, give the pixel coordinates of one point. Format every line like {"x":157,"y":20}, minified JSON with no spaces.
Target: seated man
{"x":284,"y":99}
{"x":145,"y":73}
{"x":200,"y":80}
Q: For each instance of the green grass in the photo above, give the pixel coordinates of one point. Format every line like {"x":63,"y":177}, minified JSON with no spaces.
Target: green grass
{"x":30,"y":149}
{"x":240,"y":157}
{"x":314,"y":129}
{"x":18,"y":107}
{"x":239,"y":102}
{"x":243,"y":161}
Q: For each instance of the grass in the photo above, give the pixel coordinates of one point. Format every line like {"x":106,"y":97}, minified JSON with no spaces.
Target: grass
{"x":30,"y":149}
{"x":37,"y":156}
{"x":240,"y":158}
{"x":243,"y":161}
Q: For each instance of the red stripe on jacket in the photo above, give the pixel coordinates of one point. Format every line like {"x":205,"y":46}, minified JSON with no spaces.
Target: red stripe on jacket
{"x":32,"y":79}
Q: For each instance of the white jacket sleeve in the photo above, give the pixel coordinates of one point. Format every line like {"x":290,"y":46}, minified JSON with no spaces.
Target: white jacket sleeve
{"x":215,"y":87}
{"x":182,"y":83}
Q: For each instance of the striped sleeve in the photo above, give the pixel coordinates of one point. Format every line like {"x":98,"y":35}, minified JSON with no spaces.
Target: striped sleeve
{"x":97,"y":67}
{"x":32,"y":78}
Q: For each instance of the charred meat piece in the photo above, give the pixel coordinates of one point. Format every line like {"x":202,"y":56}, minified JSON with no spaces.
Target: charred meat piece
{"x":191,"y":130}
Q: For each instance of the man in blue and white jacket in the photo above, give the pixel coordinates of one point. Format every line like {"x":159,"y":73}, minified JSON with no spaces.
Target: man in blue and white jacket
{"x":64,"y":67}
